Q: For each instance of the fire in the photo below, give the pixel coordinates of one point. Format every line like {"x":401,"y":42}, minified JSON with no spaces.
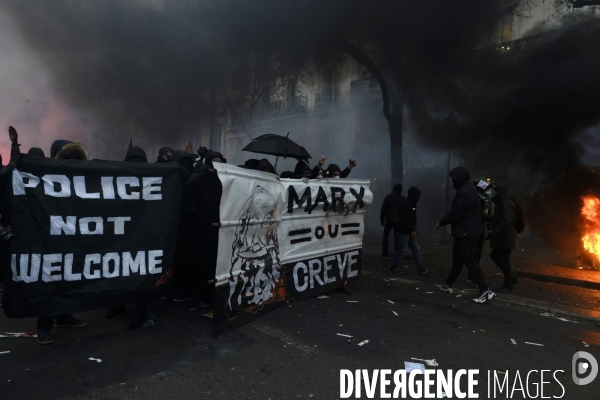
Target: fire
{"x":591,"y":215}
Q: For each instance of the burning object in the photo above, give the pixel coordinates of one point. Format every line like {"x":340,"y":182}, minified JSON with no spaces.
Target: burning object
{"x":590,"y":213}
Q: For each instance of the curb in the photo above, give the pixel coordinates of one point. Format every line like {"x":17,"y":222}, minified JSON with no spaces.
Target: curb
{"x":560,"y":280}
{"x":536,"y":305}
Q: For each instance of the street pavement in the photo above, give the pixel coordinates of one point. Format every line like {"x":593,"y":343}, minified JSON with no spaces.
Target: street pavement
{"x":295,"y":352}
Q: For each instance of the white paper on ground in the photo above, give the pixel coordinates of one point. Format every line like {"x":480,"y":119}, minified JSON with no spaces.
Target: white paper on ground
{"x":363,"y":342}
{"x":585,"y":344}
{"x":323,"y":297}
{"x":534,"y":344}
{"x":411,"y":366}
{"x":389,"y":301}
{"x":5,"y":352}
{"x":341,"y":334}
{"x":95,"y":359}
{"x":352,"y":301}
{"x":513,"y":341}
{"x":395,"y":313}
{"x":431,"y":363}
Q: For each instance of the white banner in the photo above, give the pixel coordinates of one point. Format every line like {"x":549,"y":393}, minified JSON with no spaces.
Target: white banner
{"x":285,"y":239}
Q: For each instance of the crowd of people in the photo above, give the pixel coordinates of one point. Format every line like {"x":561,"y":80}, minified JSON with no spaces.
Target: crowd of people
{"x":471,"y":222}
{"x":197,"y":233}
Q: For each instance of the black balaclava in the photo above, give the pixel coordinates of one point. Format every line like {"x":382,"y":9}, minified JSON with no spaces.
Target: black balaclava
{"x":210,"y":155}
{"x":397,"y":188}
{"x":136,"y":154}
{"x":331,"y":169}
{"x":165,"y":151}
{"x":36,"y":151}
{"x":302,"y":170}
{"x":414,"y":194}
{"x":184,"y":159}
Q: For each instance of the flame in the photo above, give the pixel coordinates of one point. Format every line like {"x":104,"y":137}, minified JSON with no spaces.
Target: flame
{"x":591,"y":215}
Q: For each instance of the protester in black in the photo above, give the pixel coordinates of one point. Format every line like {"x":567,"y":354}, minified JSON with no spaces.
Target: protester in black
{"x":64,"y":150}
{"x":207,"y":189}
{"x":164,"y":155}
{"x":503,"y":234}
{"x":405,"y":231}
{"x":144,"y":312}
{"x":390,"y":204}
{"x":465,"y":217}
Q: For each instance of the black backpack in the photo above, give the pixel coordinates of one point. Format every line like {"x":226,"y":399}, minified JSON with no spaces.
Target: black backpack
{"x":520,"y":222}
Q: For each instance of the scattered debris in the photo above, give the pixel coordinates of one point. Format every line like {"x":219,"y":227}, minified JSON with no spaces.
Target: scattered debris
{"x":5,"y":352}
{"x":566,"y":320}
{"x":431,"y":363}
{"x":389,"y":301}
{"x":428,"y":292}
{"x":513,"y":341}
{"x":363,"y":342}
{"x":341,"y":325}
{"x":351,"y":301}
{"x":341,"y":334}
{"x":95,"y":359}
{"x":18,"y":335}
{"x":207,"y":315}
{"x":459,"y":295}
{"x":411,"y":366}
{"x":585,"y":344}
{"x":395,"y":313}
{"x":323,"y":297}
{"x":534,"y":344}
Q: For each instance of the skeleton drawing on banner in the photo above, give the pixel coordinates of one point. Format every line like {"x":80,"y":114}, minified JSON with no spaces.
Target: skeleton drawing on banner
{"x":255,"y":253}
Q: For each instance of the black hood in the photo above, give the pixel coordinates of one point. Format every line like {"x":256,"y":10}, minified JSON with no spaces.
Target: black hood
{"x":210,"y":155}
{"x":184,"y":159}
{"x":397,"y":188}
{"x":251,"y":164}
{"x":460,"y":176}
{"x":414,"y":194}
{"x":36,"y":151}
{"x":501,"y":192}
{"x":57,"y":146}
{"x":136,"y":152}
{"x":301,"y":167}
{"x":333,"y":168}
{"x":265,"y":165}
{"x":162,"y":152}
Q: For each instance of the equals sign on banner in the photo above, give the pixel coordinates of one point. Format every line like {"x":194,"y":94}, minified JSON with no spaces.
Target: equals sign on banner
{"x":301,"y":232}
{"x":350,"y":232}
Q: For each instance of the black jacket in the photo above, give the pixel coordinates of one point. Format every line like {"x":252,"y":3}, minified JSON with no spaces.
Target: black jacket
{"x":207,"y":191}
{"x":465,"y":214}
{"x":407,"y":212}
{"x":390,"y":204}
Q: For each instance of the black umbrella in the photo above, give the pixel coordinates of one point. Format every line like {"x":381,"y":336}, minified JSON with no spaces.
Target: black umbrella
{"x":277,"y":145}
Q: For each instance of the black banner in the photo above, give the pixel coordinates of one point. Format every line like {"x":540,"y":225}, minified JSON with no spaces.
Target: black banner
{"x":89,"y":234}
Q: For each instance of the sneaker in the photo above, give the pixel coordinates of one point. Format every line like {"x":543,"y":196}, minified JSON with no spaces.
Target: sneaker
{"x":428,"y":270}
{"x":114,"y":312}
{"x":485,"y":296}
{"x":45,"y":336}
{"x":69,"y":322}
{"x":446,"y":288}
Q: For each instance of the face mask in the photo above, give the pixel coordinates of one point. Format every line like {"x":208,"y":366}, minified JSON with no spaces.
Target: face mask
{"x":336,"y":176}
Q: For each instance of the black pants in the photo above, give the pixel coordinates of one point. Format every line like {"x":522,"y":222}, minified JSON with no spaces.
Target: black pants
{"x":48,"y":322}
{"x":207,"y":271}
{"x":464,"y":252}
{"x":479,"y":252}
{"x":502,"y":259}
{"x":387,"y":228}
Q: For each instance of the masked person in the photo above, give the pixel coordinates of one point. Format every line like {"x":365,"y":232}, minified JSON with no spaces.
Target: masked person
{"x":465,"y":217}
{"x":484,"y":189}
{"x":405,"y":231}
{"x":186,"y":270}
{"x":333,"y":170}
{"x":208,"y":190}
{"x":503,"y":234}
{"x":389,"y":207}
{"x":144,"y":312}
{"x":63,"y":150}
{"x":164,"y":155}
